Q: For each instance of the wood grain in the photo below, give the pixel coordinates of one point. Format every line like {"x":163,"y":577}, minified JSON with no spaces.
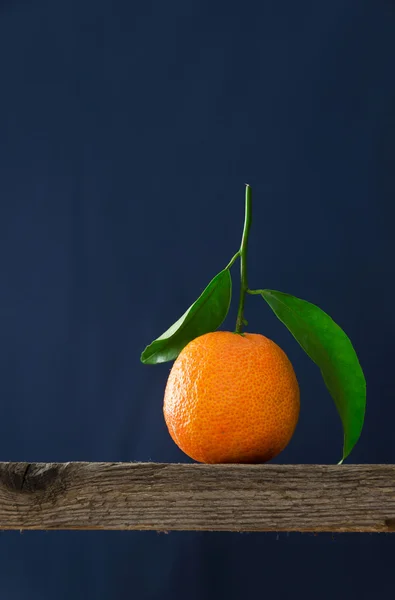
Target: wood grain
{"x":166,"y":497}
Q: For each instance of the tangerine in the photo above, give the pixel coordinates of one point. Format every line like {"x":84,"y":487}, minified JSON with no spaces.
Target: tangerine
{"x":231,"y":398}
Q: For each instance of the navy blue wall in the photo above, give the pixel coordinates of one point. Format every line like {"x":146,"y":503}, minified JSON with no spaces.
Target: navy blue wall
{"x":127,"y":132}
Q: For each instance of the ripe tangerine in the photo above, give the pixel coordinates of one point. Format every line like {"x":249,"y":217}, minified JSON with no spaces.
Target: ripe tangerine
{"x":232,"y":398}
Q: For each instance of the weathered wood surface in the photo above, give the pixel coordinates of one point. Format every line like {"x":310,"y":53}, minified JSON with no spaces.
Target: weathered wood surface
{"x":166,"y":497}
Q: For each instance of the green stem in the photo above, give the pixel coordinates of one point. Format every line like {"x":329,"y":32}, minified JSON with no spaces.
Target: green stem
{"x":243,"y":260}
{"x":236,"y":256}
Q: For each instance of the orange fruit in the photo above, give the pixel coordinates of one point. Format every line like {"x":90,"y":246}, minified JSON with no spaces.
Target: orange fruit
{"x":231,"y":398}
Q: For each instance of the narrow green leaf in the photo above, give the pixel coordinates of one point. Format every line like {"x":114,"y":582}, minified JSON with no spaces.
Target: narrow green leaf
{"x":331,"y":350}
{"x":205,"y":315}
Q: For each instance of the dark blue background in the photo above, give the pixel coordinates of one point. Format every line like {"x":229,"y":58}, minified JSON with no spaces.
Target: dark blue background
{"x":127,"y":132}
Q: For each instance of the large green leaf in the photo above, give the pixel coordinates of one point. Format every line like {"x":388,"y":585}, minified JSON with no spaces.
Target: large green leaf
{"x":205,"y":315}
{"x":331,"y":350}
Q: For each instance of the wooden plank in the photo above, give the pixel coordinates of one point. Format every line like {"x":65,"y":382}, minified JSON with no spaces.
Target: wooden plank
{"x":164,"y":497}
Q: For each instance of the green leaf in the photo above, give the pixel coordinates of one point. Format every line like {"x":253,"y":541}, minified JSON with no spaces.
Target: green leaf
{"x":331,"y":350}
{"x":205,"y":315}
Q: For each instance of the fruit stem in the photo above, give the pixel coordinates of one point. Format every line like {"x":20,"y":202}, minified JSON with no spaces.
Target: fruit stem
{"x":243,"y":260}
